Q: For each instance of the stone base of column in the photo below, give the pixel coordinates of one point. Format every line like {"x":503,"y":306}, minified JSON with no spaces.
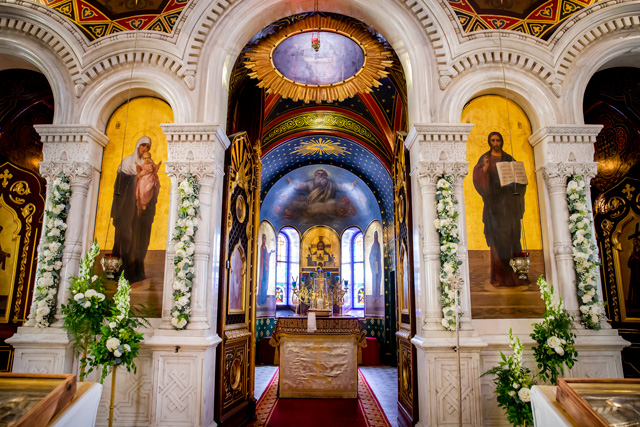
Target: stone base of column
{"x":42,"y":350}
{"x":183,"y":385}
{"x":438,"y":380}
{"x":599,"y":354}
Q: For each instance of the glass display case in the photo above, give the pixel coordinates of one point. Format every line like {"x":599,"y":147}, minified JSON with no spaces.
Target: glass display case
{"x":601,"y":402}
{"x":33,"y":399}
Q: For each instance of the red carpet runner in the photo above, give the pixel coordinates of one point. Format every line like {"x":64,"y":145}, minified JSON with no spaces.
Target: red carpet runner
{"x":274,"y":412}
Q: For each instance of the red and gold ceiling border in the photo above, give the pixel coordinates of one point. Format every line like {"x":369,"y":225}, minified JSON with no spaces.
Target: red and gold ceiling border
{"x":96,"y":21}
{"x":540,"y":20}
{"x":376,"y":60}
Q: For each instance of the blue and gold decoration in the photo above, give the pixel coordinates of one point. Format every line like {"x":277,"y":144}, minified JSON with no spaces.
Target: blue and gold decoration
{"x":321,"y":146}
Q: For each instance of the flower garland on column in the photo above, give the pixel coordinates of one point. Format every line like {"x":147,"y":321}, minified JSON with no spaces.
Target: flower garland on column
{"x":43,"y":306}
{"x":449,"y":264}
{"x":184,"y":238}
{"x":585,"y":253}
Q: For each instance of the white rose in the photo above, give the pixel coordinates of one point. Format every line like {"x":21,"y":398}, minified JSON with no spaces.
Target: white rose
{"x":586,"y":298}
{"x":112,"y":325}
{"x":515,"y":385}
{"x":78,"y":296}
{"x":127,"y":347}
{"x":90,"y":293}
{"x":178,"y":323}
{"x":559,"y":350}
{"x":117,"y":353}
{"x":553,"y":342}
{"x":524,"y":394}
{"x":87,"y":304}
{"x":196,"y":202}
{"x":112,"y":344}
{"x":512,"y":393}
{"x":100,"y":296}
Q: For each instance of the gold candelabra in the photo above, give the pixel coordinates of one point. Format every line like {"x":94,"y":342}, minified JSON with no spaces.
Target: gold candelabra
{"x":319,"y":295}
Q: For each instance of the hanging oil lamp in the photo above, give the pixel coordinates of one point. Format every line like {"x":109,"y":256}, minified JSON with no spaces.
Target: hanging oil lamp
{"x":315,"y":35}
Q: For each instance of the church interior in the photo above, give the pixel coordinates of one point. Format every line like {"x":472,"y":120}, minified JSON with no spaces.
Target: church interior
{"x":320,"y":206}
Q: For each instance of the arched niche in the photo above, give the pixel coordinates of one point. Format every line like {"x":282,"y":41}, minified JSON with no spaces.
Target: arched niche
{"x":132,"y":214}
{"x":501,"y":220}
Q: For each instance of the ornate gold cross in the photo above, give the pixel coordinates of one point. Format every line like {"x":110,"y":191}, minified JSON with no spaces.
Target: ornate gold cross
{"x":5,"y":177}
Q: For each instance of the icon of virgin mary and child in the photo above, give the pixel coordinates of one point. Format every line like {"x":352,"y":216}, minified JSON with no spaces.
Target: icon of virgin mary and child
{"x":135,"y":195}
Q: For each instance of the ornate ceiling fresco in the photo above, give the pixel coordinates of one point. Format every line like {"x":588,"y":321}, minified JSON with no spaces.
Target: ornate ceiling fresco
{"x":538,"y":18}
{"x":98,"y":18}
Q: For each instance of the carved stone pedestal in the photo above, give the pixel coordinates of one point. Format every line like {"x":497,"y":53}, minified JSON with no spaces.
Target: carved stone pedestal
{"x":183,"y":384}
{"x":438,"y":386}
{"x":43,"y":351}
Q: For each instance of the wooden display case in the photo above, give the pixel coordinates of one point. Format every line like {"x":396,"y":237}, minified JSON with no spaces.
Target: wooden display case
{"x":601,"y":402}
{"x":32,"y":400}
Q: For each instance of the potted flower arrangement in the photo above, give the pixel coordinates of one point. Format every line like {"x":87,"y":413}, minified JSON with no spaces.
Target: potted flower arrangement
{"x":513,"y":385}
{"x":119,"y":341}
{"x":86,"y":308}
{"x":555,"y":348}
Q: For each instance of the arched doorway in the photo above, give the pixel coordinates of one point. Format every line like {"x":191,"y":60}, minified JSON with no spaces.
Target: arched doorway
{"x":327,"y":170}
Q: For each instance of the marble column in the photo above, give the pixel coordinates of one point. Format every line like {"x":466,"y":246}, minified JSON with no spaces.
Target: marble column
{"x":563,"y":151}
{"x":183,"y":384}
{"x":437,"y":150}
{"x":76,"y":151}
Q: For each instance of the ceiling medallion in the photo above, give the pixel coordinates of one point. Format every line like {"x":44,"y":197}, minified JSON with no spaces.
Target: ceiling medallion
{"x":349,"y":61}
{"x":320,"y":146}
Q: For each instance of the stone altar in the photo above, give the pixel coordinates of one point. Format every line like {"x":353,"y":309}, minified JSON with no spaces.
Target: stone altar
{"x":320,"y":364}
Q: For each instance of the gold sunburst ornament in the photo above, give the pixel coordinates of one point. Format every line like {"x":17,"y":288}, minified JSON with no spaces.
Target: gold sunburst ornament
{"x":350,"y":60}
{"x":320,"y":146}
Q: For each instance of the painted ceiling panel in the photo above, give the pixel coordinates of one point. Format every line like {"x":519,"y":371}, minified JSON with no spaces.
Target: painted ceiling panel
{"x":538,"y":18}
{"x":99,"y":18}
{"x":333,"y":150}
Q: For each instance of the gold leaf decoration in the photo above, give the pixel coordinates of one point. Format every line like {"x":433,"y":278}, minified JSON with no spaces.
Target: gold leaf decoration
{"x":376,"y":60}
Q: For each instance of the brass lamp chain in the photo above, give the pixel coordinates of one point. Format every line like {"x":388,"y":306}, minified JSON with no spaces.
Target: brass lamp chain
{"x":506,"y":100}
{"x":126,"y":119}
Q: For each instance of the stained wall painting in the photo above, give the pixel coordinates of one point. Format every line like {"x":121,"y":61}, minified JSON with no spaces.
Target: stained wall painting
{"x":266,"y":292}
{"x":626,"y":255}
{"x":501,"y":220}
{"x":320,"y":248}
{"x":237,"y":281}
{"x":374,"y":270}
{"x":132,"y":215}
{"x":320,"y":194}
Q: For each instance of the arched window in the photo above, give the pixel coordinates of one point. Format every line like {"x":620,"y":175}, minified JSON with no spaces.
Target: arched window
{"x":353,"y":266}
{"x":287,"y":264}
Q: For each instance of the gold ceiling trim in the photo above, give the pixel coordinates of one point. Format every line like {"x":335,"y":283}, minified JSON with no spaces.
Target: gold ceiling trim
{"x":376,"y":61}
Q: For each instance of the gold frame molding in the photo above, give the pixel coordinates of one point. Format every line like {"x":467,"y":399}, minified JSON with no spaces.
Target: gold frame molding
{"x":376,"y":61}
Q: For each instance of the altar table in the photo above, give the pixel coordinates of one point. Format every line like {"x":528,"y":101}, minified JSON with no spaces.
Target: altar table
{"x":320,"y":364}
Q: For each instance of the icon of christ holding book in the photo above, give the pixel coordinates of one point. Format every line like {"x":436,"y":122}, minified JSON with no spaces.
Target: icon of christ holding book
{"x":503,"y":209}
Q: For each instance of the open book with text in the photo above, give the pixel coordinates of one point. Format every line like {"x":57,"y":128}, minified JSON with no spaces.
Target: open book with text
{"x":511,"y":172}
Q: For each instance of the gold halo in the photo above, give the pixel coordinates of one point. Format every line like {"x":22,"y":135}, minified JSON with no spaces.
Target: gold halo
{"x":376,"y":61}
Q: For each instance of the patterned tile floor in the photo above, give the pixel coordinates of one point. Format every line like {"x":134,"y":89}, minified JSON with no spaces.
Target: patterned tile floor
{"x":383,"y":380}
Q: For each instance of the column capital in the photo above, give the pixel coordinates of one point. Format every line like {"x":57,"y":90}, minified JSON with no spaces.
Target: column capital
{"x":556,"y":174}
{"x":79,"y":173}
{"x":564,"y":143}
{"x":430,"y":172}
{"x":195,"y":148}
{"x":72,"y":144}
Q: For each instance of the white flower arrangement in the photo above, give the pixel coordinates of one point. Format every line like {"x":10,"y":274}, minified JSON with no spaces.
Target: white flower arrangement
{"x":585,"y":253}
{"x":449,"y":264}
{"x":184,"y":246}
{"x":50,"y":258}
